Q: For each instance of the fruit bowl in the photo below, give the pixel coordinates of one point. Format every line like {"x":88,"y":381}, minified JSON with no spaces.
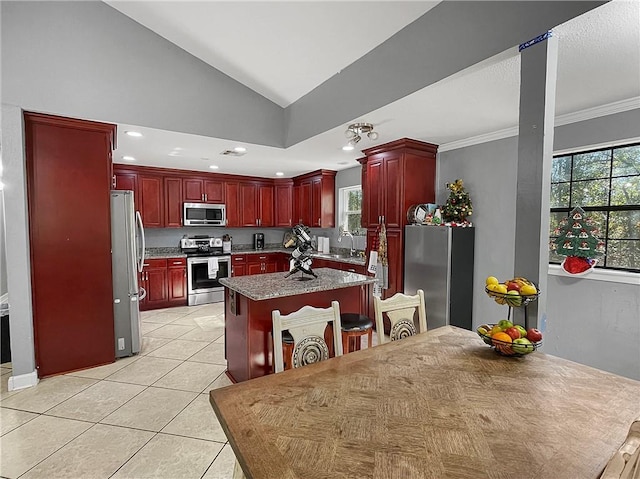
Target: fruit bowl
{"x":505,"y":348}
{"x":513,"y":300}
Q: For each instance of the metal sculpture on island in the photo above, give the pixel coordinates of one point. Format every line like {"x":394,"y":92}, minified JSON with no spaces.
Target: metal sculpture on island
{"x":301,"y":256}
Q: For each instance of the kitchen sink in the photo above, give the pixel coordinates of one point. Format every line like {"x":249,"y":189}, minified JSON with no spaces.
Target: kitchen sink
{"x":326,"y":255}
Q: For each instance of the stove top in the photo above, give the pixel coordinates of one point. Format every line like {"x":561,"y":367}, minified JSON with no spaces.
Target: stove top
{"x":200,"y":254}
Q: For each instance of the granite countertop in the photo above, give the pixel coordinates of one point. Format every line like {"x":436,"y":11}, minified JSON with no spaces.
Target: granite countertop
{"x":274,"y":285}
{"x":169,"y":252}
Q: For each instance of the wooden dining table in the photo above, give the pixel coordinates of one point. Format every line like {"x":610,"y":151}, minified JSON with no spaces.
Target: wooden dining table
{"x":436,"y":405}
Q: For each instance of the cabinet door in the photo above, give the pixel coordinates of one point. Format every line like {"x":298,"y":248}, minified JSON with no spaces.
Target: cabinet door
{"x":396,"y":262}
{"x":306,"y":214}
{"x":316,"y":202}
{"x":173,"y":202}
{"x":265,"y":199}
{"x":126,"y":181}
{"x":232,"y":194}
{"x":249,"y":202}
{"x":254,"y":268}
{"x":142,"y":284}
{"x":214,"y":191}
{"x":151,"y":201}
{"x":156,"y":277}
{"x":373,"y":192}
{"x":238,"y":265}
{"x":296,"y":210}
{"x":393,"y":210}
{"x":283,"y":205}
{"x":364,"y":209}
{"x":177,"y":278}
{"x":193,"y":190}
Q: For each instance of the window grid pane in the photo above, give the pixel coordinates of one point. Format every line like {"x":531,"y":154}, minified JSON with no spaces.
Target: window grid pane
{"x":606,"y":183}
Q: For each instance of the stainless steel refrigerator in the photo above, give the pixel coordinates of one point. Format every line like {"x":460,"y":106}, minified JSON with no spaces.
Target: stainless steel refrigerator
{"x":127,"y":258}
{"x":439,"y":260}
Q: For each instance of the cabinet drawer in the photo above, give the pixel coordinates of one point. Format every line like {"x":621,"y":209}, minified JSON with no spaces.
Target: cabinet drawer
{"x":155,"y":263}
{"x":238,"y":258}
{"x":176,"y":262}
{"x":258,"y":258}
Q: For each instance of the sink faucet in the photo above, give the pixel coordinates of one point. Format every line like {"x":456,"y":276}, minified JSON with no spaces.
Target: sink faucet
{"x":346,"y":233}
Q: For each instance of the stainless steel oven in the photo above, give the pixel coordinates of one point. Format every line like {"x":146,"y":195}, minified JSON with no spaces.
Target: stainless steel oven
{"x":204,"y":281}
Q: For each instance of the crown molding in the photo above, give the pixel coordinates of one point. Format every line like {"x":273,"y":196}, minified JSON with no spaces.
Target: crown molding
{"x":560,"y":120}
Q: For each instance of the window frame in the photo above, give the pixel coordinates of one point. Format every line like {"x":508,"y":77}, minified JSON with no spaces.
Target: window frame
{"x":343,"y":213}
{"x":606,"y":210}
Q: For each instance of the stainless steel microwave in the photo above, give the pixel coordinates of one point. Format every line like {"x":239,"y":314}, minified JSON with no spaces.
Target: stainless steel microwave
{"x":204,"y":214}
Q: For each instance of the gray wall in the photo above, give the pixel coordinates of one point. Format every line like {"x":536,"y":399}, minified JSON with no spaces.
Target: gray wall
{"x":594,"y":322}
{"x":3,"y":251}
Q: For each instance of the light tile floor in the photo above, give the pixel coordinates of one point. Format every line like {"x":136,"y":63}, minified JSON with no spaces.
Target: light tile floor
{"x":141,"y":417}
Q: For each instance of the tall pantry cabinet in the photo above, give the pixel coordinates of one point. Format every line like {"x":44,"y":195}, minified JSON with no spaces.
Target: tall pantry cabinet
{"x":68,"y":184}
{"x":395,"y":176}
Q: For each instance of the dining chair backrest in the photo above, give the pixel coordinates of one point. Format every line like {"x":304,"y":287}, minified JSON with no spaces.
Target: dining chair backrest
{"x":306,"y":326}
{"x":625,"y":462}
{"x":400,"y":309}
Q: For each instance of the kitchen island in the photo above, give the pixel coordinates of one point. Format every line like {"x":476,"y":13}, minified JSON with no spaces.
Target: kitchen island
{"x":249,"y":301}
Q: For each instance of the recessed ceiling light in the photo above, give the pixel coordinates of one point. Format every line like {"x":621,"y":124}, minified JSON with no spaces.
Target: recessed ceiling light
{"x":128,"y":158}
{"x":214,"y":167}
{"x":240,"y":149}
{"x":279,"y":173}
{"x":1,"y":185}
{"x":343,"y":162}
{"x":136,"y":134}
{"x":347,"y":147}
{"x":174,"y":153}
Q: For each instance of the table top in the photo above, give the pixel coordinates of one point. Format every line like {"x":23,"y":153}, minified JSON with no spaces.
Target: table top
{"x":437,"y":405}
{"x":274,"y":285}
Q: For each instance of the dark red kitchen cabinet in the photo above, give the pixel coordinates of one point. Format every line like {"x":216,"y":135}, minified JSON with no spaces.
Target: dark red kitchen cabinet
{"x":315,"y":198}
{"x":306,"y":212}
{"x":177,"y":279}
{"x":265,"y":206}
{"x":151,"y":203}
{"x":71,"y":281}
{"x":203,"y":190}
{"x":156,"y":277}
{"x":232,"y":194}
{"x":283,"y":193}
{"x":296,"y":208}
{"x":172,"y":202}
{"x":374,"y":193}
{"x":125,"y":180}
{"x":238,"y":265}
{"x":249,"y":201}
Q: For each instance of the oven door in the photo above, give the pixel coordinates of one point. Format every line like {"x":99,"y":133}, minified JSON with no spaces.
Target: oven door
{"x":198,"y":274}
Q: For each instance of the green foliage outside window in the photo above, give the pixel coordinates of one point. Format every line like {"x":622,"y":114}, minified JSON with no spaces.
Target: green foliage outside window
{"x":606,"y":184}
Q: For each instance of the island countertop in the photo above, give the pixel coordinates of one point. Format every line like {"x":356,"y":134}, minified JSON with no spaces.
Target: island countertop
{"x":274,"y":285}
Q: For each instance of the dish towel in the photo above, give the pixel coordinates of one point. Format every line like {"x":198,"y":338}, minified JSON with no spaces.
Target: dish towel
{"x":212,"y":267}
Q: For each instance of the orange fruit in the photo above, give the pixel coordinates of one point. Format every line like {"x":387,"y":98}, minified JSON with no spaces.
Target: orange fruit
{"x":504,"y":337}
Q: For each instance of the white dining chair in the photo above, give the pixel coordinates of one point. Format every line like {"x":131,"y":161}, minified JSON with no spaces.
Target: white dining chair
{"x":400,"y":309}
{"x":306,"y":326}
{"x":625,"y":462}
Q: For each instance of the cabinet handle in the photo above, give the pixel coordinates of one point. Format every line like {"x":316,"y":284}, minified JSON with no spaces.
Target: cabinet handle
{"x":263,"y":257}
{"x":177,"y":262}
{"x":319,"y":222}
{"x":206,"y":197}
{"x":113,"y":182}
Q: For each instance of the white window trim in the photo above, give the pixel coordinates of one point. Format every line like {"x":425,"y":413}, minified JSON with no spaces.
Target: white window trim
{"x":600,"y":274}
{"x":342,"y":205}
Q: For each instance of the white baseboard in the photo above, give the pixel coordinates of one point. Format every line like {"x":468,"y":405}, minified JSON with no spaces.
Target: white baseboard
{"x":23,"y":381}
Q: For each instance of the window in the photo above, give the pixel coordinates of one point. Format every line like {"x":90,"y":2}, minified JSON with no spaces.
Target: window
{"x":606,"y":184}
{"x":350,"y":207}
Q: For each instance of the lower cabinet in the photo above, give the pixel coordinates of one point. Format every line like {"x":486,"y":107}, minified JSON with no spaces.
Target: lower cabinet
{"x":165,"y":282}
{"x":262,"y":263}
{"x":239,"y":265}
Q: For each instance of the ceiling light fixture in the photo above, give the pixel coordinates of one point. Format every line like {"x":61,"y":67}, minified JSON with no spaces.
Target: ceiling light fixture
{"x":240,"y":149}
{"x":136,"y":134}
{"x":354,"y":134}
{"x":214,"y":167}
{"x":128,"y":158}
{"x":279,"y":173}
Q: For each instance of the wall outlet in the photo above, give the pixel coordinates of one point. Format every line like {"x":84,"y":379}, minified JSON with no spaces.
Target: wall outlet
{"x":120,"y":344}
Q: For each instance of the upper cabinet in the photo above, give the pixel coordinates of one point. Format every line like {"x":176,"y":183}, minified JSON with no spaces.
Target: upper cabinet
{"x":159,"y":195}
{"x":199,"y":190}
{"x":395,"y":176}
{"x":314,"y":199}
{"x":283,"y":202}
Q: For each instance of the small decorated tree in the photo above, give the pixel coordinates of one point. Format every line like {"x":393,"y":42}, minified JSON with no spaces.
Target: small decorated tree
{"x":458,"y":205}
{"x":577,"y":239}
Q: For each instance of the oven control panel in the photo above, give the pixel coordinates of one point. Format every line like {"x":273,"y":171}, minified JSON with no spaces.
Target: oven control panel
{"x":200,"y":244}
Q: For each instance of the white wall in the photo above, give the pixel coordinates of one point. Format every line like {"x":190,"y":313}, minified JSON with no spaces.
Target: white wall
{"x":591,"y":321}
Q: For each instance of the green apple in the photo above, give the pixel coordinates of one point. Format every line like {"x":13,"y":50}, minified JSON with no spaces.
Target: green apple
{"x":523,"y":332}
{"x":522,"y":346}
{"x":504,"y":324}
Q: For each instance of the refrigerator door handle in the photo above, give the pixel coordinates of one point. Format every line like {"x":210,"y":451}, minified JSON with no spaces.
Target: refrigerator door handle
{"x":142,"y":294}
{"x":142,"y":238}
